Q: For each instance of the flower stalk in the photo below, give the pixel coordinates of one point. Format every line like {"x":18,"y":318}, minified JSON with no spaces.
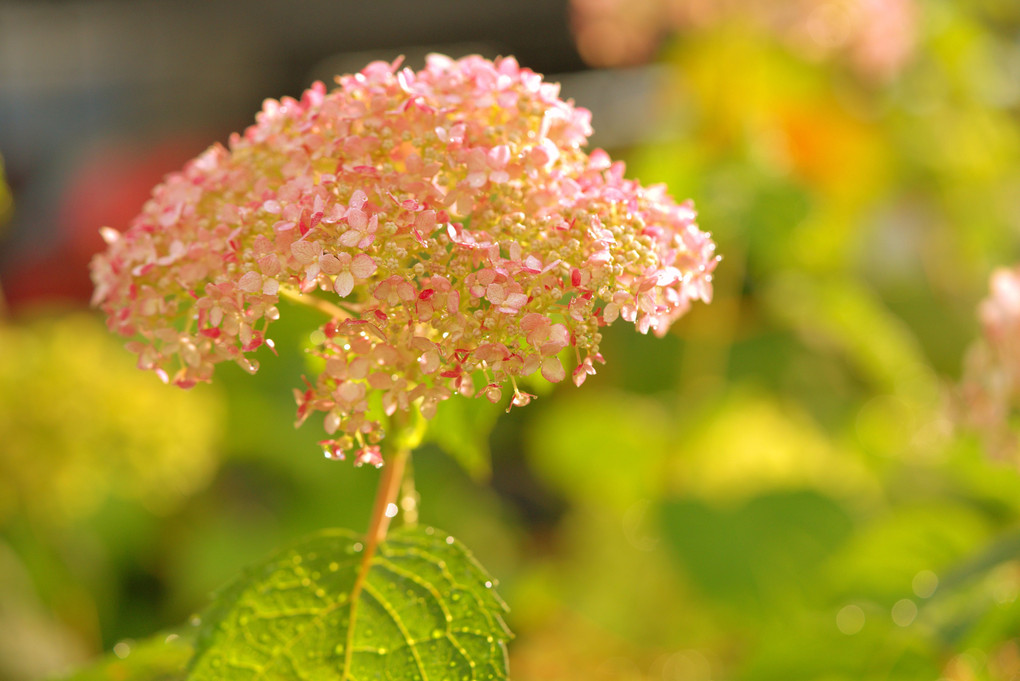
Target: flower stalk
{"x":390,"y":484}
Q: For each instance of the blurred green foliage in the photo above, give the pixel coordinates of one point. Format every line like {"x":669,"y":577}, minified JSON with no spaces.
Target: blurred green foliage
{"x":152,"y":445}
{"x":773,"y":491}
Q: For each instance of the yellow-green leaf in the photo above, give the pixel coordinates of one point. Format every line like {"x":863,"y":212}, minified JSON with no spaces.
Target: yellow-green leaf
{"x":426,"y":611}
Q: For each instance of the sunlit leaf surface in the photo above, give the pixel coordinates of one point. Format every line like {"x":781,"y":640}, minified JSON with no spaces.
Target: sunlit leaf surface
{"x":427,"y":610}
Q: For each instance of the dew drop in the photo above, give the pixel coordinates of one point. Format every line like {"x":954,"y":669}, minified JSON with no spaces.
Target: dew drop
{"x":195,"y":620}
{"x":122,"y":649}
{"x":382,"y":651}
{"x":334,"y":566}
{"x":488,"y":585}
{"x":391,"y":510}
{"x":850,"y":619}
{"x":320,"y":593}
{"x":306,"y":582}
{"x":297,"y":560}
{"x":925,"y":583}
{"x":339,"y":650}
{"x":449,"y":540}
{"x":438,"y":633}
{"x":904,"y":612}
{"x":430,"y":531}
{"x":357,"y":547}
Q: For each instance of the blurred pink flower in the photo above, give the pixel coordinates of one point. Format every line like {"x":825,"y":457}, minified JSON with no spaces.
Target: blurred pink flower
{"x":990,"y":391}
{"x":877,"y":37}
{"x":447,"y":220}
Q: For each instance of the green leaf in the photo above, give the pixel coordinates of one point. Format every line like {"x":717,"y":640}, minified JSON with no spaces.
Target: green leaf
{"x":162,"y":657}
{"x":427,"y":610}
{"x":762,"y":556}
{"x":461,"y":428}
{"x":601,"y":447}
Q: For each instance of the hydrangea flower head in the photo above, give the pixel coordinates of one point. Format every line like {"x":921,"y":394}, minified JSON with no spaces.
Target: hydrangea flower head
{"x":449,"y":223}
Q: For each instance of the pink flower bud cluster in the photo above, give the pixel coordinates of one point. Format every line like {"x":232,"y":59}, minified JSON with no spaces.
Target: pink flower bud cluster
{"x":448,"y":220}
{"x":990,"y":390}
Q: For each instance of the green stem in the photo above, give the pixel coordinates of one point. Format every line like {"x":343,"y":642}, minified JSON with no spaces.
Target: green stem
{"x":389,"y":489}
{"x":334,"y":311}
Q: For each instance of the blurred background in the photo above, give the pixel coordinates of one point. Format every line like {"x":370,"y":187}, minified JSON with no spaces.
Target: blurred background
{"x":776,"y":490}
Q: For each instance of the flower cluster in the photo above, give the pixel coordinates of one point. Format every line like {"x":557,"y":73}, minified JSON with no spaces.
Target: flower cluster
{"x":449,"y":223}
{"x":876,"y":37}
{"x":990,"y":390}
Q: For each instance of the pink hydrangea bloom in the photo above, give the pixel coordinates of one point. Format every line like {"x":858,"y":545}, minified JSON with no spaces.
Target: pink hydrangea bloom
{"x":990,"y":391}
{"x":449,"y":216}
